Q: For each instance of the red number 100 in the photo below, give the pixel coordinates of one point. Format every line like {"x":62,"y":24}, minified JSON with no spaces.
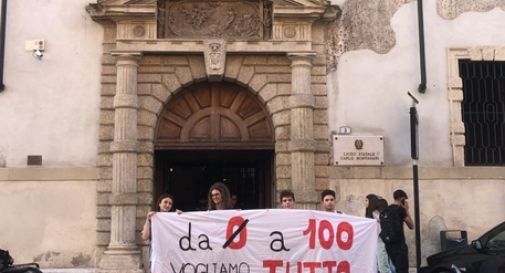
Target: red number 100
{"x":327,"y":242}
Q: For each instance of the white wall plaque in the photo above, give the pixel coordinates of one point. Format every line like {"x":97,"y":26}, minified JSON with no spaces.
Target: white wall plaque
{"x":358,"y":150}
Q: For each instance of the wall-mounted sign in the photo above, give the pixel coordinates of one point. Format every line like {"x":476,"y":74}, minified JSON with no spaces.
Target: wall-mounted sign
{"x":358,"y":150}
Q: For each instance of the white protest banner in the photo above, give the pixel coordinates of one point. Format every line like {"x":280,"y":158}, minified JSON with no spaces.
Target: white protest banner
{"x":269,"y":241}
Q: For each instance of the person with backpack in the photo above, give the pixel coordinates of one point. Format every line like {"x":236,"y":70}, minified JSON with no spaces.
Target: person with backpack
{"x":374,"y":206}
{"x":391,"y":222}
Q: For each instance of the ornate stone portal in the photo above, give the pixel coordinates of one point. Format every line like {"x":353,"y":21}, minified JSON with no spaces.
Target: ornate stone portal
{"x":153,"y":50}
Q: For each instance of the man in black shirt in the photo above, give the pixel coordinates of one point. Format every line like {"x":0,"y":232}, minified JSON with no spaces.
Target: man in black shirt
{"x":398,"y":251}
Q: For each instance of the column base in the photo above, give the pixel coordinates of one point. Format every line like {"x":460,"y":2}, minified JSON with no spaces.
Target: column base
{"x":121,"y":261}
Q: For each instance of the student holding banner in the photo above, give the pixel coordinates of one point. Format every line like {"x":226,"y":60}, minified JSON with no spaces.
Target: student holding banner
{"x":287,"y":199}
{"x":164,"y":204}
{"x":219,"y":197}
{"x":328,"y":201}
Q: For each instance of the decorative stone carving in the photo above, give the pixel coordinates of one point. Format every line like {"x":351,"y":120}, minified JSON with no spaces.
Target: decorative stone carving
{"x":215,"y":58}
{"x":139,"y":31}
{"x":235,"y":20}
{"x":450,"y":9}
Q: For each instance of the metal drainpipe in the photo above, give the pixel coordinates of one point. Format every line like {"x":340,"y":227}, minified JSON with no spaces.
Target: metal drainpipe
{"x":422,"y":55}
{"x":2,"y":43}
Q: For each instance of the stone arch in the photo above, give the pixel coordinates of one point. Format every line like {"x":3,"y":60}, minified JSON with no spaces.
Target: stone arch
{"x":206,"y":114}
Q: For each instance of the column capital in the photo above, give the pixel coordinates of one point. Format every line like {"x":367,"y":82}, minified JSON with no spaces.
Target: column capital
{"x":126,"y":57}
{"x":301,"y":58}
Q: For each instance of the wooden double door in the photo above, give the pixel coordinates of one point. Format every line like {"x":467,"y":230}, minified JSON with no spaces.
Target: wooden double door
{"x":213,"y":132}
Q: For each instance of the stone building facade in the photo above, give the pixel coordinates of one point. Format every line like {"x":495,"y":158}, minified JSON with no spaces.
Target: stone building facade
{"x":122,"y":87}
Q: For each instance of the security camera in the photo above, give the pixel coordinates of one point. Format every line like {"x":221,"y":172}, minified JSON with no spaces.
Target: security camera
{"x":38,"y":54}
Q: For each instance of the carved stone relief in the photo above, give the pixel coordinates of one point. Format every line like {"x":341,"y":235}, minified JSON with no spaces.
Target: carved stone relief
{"x":450,"y":9}
{"x":239,"y":20}
{"x":215,"y":59}
{"x":364,"y":24}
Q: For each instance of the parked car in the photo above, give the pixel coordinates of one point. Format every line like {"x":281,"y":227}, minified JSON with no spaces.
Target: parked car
{"x":484,"y":255}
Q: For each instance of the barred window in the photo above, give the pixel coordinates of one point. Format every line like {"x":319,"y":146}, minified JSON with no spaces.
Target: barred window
{"x":483,"y":111}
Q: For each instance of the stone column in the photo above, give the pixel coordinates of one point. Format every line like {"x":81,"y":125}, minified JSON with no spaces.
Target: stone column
{"x":302,"y":144}
{"x":122,"y":254}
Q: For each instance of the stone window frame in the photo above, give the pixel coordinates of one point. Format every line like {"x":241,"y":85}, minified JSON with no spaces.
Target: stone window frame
{"x":455,"y":92}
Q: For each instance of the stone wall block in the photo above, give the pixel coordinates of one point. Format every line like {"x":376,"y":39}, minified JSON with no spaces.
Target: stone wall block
{"x":321,"y":102}
{"x":144,"y":89}
{"x":245,"y":74}
{"x":171,"y":83}
{"x":282,"y":184}
{"x":233,"y":64}
{"x":150,"y":104}
{"x":319,"y":60}
{"x":107,"y":117}
{"x":109,"y":33}
{"x":279,"y":78}
{"x":144,"y":185}
{"x":282,"y":146}
{"x":104,"y":186}
{"x":255,"y":60}
{"x":284,"y":89}
{"x":321,"y":171}
{"x":104,"y":147}
{"x":108,"y":89}
{"x":160,"y":92}
{"x":278,"y":104}
{"x":268,"y":92}
{"x":274,"y":69}
{"x":108,"y":79}
{"x":150,"y":60}
{"x":321,"y":132}
{"x":145,"y":198}
{"x":319,"y":79}
{"x":144,"y":172}
{"x":175,"y":60}
{"x":104,"y":160}
{"x":319,"y":47}
{"x":108,"y":59}
{"x":258,"y":82}
{"x":102,"y":238}
{"x":321,"y":184}
{"x":108,"y":70}
{"x":281,"y":118}
{"x":107,"y":103}
{"x":150,"y":69}
{"x":321,"y":158}
{"x":146,"y":118}
{"x":183,"y":73}
{"x":105,"y":173}
{"x":282,"y":133}
{"x":320,"y":116}
{"x":149,"y":78}
{"x":197,"y":67}
{"x":102,"y":199}
{"x":145,"y":133}
{"x":319,"y":70}
{"x":282,"y":159}
{"x":106,"y":132}
{"x":145,"y":159}
{"x":145,"y":146}
{"x":102,"y":211}
{"x":103,"y":225}
{"x":283,"y":171}
{"x":278,"y":60}
{"x":319,"y":89}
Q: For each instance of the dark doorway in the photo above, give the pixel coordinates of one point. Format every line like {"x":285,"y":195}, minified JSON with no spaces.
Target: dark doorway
{"x":188,"y":174}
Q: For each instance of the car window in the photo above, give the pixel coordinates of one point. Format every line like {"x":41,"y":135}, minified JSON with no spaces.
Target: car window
{"x":497,"y":242}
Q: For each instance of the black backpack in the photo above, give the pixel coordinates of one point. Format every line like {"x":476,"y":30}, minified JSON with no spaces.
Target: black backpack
{"x":391,"y":225}
{"x":5,"y":259}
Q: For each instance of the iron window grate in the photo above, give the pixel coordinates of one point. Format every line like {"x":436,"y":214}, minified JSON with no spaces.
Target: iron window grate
{"x":483,"y":112}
